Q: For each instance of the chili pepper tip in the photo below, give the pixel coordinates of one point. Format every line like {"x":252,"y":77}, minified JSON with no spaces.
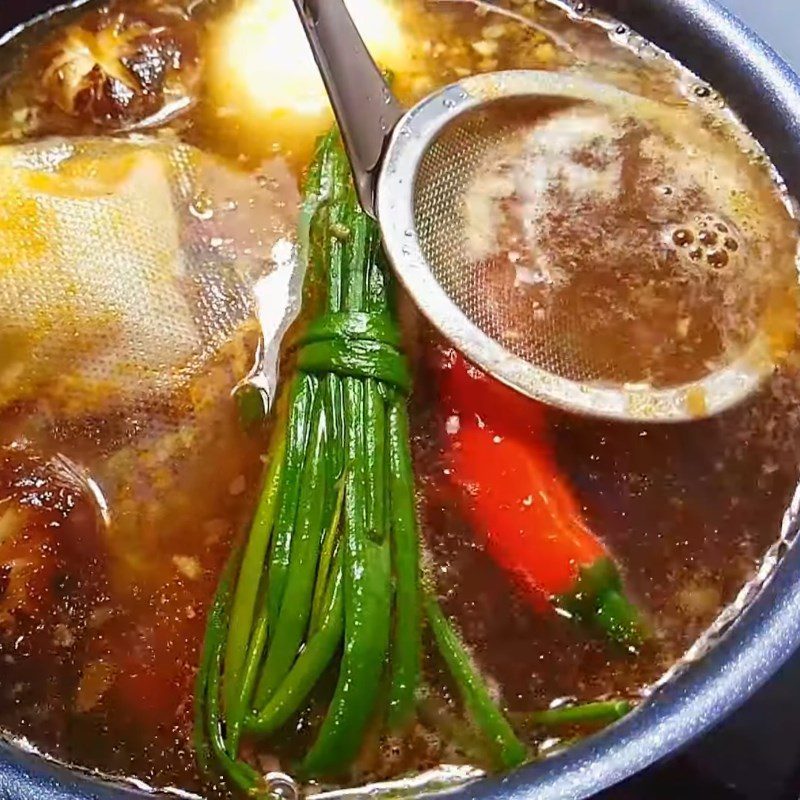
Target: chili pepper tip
{"x":619,"y":618}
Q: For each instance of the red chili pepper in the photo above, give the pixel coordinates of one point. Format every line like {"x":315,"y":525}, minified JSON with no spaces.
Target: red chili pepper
{"x":470,"y":392}
{"x":517,"y":498}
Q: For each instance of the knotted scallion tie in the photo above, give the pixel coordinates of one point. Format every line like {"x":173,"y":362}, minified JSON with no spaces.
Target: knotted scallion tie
{"x":356,"y":344}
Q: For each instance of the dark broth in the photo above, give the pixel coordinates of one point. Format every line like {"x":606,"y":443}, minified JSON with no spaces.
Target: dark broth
{"x":102,"y":610}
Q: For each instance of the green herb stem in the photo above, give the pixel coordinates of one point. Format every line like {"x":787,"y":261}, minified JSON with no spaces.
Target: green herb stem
{"x":306,"y":671}
{"x":407,"y":641}
{"x":291,"y":624}
{"x":367,"y":604}
{"x":208,"y":736}
{"x":330,"y":547}
{"x":507,"y":749}
{"x":597,"y":713}
{"x":300,"y":423}
{"x":244,"y":603}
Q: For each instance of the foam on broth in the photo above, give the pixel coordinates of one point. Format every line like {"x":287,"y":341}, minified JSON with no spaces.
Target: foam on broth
{"x":102,"y":609}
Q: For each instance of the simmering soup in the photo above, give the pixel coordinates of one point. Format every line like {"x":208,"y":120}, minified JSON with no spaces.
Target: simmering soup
{"x":261,"y":528}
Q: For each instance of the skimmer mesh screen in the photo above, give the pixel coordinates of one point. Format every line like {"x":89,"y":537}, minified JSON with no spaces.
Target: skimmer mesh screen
{"x":599,"y":246}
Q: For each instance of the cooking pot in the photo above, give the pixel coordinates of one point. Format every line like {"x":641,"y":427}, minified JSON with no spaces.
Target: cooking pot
{"x":766,"y":94}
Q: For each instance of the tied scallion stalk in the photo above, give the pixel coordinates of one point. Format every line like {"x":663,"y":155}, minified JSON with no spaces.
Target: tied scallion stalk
{"x":508,"y":751}
{"x":329,"y":574}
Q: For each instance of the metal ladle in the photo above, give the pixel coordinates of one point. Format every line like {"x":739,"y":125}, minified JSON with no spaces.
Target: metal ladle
{"x":410,"y":166}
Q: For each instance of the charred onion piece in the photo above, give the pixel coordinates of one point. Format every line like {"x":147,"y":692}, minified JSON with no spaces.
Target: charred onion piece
{"x":116,"y":68}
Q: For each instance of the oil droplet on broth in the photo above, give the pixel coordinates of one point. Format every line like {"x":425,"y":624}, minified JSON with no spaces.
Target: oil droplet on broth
{"x":696,"y":401}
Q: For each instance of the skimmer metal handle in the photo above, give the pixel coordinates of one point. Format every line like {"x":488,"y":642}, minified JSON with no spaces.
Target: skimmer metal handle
{"x":365,"y":108}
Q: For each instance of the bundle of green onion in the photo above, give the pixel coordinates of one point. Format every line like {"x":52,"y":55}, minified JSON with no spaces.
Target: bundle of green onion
{"x":329,"y":576}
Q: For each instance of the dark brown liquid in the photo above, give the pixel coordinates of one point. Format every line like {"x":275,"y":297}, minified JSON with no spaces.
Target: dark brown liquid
{"x":688,"y":510}
{"x":603,"y":243}
{"x":101,"y":620}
